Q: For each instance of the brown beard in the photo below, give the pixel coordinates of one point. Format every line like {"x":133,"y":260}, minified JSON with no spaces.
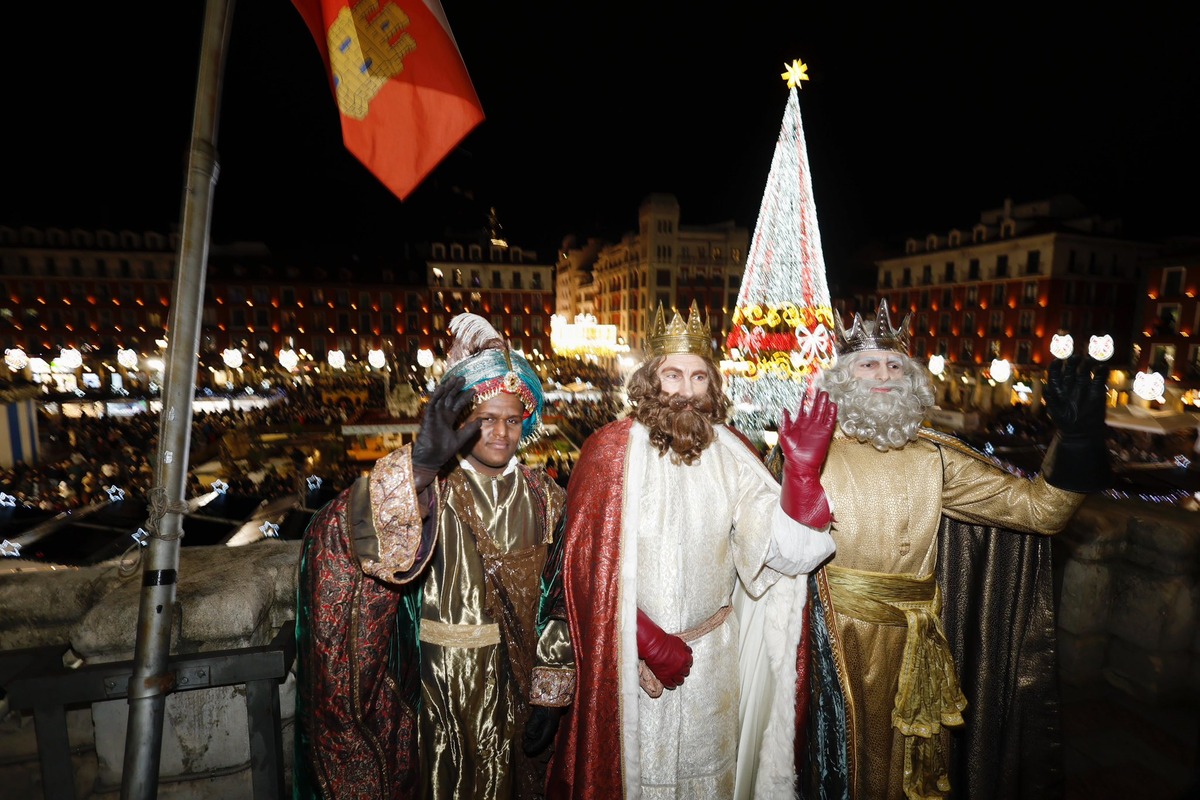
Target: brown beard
{"x":682,"y":425}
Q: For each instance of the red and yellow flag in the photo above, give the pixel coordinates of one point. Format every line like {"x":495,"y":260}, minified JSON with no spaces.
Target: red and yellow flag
{"x":401,"y":86}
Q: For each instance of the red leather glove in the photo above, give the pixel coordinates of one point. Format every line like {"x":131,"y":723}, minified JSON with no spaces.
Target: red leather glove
{"x":805,"y":443}
{"x":668,"y":657}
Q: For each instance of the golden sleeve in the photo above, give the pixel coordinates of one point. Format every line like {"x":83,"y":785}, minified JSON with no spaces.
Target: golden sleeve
{"x":979,"y":492}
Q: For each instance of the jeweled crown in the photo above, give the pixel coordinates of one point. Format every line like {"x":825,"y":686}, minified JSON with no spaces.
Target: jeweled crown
{"x":666,"y":339}
{"x":879,"y":335}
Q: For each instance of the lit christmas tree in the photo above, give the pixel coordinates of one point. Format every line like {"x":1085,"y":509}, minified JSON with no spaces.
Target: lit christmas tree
{"x":782,"y":332}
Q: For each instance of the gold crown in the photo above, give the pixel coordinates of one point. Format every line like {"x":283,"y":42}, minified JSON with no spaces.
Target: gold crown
{"x":667,"y":339}
{"x":879,"y":335}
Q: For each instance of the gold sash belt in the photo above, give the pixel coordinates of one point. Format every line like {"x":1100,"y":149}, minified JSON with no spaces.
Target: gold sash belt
{"x":650,"y":683}
{"x":928,"y":695}
{"x":446,"y":635}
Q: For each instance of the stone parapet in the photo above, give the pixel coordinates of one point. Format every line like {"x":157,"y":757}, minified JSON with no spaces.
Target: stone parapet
{"x":227,"y":598}
{"x":1130,"y":599}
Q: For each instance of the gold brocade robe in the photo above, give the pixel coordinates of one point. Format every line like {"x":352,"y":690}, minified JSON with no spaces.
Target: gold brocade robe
{"x":471,"y":719}
{"x":887,"y":508}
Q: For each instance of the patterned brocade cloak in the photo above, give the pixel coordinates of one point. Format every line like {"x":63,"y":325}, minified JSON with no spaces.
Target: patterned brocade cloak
{"x":363,"y":566}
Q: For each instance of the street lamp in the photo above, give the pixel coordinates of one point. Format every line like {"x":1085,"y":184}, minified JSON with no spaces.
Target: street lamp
{"x":376,"y":359}
{"x":1001,"y":370}
{"x":336,"y":359}
{"x":127,"y":358}
{"x":232,"y":358}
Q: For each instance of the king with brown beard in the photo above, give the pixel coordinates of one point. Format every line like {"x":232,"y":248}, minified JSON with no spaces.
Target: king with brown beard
{"x":667,"y":510}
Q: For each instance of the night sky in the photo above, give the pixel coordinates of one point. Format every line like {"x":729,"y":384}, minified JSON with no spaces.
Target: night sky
{"x":918,"y":116}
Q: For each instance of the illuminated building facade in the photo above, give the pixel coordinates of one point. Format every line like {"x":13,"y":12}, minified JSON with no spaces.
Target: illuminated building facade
{"x":1169,"y":336}
{"x":664,"y":262}
{"x":1004,"y":286}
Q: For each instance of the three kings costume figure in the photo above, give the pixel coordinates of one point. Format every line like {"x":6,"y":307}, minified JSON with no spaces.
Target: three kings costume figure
{"x":936,"y":611}
{"x":667,"y":510}
{"x":432,"y":642}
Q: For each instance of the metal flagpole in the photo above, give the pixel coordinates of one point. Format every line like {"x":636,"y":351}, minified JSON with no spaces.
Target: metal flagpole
{"x":150,"y":683}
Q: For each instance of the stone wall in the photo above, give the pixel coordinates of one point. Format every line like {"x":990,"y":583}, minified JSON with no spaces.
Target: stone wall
{"x":1129,"y":601}
{"x":228,"y":598}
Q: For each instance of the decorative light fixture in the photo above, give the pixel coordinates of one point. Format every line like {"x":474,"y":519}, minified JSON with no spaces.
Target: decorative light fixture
{"x":1062,"y":345}
{"x":16,"y":359}
{"x":336,"y":359}
{"x":937,"y":364}
{"x":269,"y":529}
{"x":115,"y":493}
{"x":70,"y":358}
{"x":219,"y":486}
{"x":376,"y":359}
{"x":10,"y":549}
{"x":232,"y":357}
{"x":1101,"y":347}
{"x":7,"y":500}
{"x":127,"y":358}
{"x":288,"y":359}
{"x":314,"y":482}
{"x":1149,"y":386}
{"x":425,"y":357}
{"x":141,"y":536}
{"x":1001,"y":370}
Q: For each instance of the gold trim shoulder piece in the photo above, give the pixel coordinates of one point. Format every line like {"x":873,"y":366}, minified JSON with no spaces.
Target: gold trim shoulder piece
{"x":693,"y":337}
{"x":877,"y":335}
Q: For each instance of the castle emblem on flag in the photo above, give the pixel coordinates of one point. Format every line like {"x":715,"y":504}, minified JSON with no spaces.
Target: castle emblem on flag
{"x":367,"y":46}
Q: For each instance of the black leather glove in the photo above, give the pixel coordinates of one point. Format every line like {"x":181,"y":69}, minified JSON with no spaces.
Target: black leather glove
{"x":438,"y":440}
{"x":1077,"y":459}
{"x":540,"y":729}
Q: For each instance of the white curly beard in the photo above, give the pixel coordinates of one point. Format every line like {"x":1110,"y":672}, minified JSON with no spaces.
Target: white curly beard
{"x":886,"y":420}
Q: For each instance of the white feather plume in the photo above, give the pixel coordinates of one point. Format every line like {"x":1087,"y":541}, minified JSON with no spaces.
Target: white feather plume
{"x":472,"y":333}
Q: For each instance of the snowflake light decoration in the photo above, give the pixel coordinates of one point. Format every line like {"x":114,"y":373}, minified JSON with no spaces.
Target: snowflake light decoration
{"x":219,"y":486}
{"x":314,"y":483}
{"x":7,"y":500}
{"x":269,"y":529}
{"x":141,"y":536}
{"x":10,"y":549}
{"x":115,"y":493}
{"x":1062,"y":345}
{"x":1101,"y":347}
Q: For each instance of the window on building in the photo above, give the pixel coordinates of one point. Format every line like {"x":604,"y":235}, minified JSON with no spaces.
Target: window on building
{"x":927,"y":274}
{"x":1172,"y":282}
{"x":996,"y":323}
{"x":943,"y":347}
{"x":260,"y":295}
{"x":516,"y":280}
{"x":907,"y":279}
{"x":920,"y":348}
{"x":536,"y":324}
{"x":1162,"y":359}
{"x":947,"y":298}
{"x":993,"y":348}
{"x":924,"y":302}
{"x":948,"y":273}
{"x":1002,"y":266}
{"x":342,"y":298}
{"x":1193,"y":364}
{"x":968,"y":326}
{"x":973,"y":269}
{"x":972,"y":295}
{"x":1029,"y":293}
{"x":999,"y":294}
{"x":1023,"y":351}
{"x":456,"y":252}
{"x":1033,"y":262}
{"x":1025,"y":324}
{"x":1168,"y":319}
{"x":944,"y":325}
{"x":966,"y":350}
{"x":262,"y":318}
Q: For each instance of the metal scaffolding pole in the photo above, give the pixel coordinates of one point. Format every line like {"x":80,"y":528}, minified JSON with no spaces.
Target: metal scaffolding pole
{"x":152,"y":681}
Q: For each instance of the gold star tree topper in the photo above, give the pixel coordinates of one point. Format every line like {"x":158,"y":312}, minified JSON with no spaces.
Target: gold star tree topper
{"x":796,"y":72}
